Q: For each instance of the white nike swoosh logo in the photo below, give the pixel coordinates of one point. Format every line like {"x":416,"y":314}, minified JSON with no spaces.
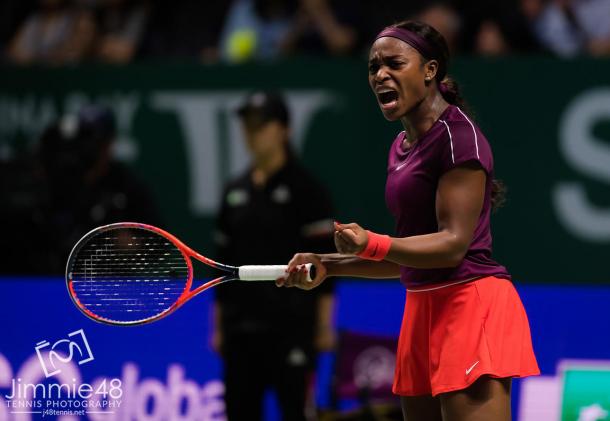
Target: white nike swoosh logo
{"x":470,"y":369}
{"x":400,"y":166}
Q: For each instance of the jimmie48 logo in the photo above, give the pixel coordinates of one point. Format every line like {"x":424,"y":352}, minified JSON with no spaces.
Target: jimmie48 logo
{"x":49,"y":384}
{"x":63,"y":351}
{"x":62,"y":393}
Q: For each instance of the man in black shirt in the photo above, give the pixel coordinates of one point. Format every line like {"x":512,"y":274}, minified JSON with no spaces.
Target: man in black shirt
{"x":74,"y":185}
{"x":266,"y":335}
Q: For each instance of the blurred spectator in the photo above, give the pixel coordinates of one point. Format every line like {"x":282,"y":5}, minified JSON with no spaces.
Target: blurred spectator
{"x":490,"y":41}
{"x":120,"y":28}
{"x":494,"y":28}
{"x":115,"y":31}
{"x":256,"y":29}
{"x":267,"y":29}
{"x":75,"y":187}
{"x":445,"y":20}
{"x":571,"y":27}
{"x":325,"y":26}
{"x":376,"y":15}
{"x":191,"y":30}
{"x":12,"y":14}
{"x":57,"y":32}
{"x":470,"y":26}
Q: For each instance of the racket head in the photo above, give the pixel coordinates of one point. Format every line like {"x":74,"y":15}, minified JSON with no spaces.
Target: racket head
{"x":129,"y":273}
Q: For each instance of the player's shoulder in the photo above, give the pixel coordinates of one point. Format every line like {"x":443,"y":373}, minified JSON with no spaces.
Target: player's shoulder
{"x":459,"y":121}
{"x":460,"y":126}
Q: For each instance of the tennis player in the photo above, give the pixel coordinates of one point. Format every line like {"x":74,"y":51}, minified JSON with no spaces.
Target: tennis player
{"x":465,"y":332}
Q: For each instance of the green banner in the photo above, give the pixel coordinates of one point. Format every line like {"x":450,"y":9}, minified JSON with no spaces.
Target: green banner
{"x":586,"y":392}
{"x":548,"y":122}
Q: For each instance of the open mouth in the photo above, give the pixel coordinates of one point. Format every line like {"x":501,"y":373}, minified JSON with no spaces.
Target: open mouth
{"x":387,"y":97}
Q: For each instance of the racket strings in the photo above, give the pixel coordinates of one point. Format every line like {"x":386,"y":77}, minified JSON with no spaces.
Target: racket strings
{"x":128,"y":274}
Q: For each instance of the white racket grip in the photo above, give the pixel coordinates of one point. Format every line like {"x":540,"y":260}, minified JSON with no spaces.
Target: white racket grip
{"x":266,"y":272}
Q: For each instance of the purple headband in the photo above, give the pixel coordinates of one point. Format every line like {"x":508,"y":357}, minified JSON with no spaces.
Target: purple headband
{"x":411,"y":38}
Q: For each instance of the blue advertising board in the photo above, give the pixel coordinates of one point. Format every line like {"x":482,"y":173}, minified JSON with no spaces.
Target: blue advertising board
{"x":57,"y":364}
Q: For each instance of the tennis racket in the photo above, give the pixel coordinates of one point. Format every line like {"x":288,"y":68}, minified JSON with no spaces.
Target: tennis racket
{"x":130,"y":273}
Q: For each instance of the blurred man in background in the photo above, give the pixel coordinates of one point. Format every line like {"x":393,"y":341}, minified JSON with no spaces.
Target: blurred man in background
{"x":73,"y":187}
{"x":266,"y":335}
{"x":120,"y":29}
{"x":569,"y":28}
{"x":58,"y":32}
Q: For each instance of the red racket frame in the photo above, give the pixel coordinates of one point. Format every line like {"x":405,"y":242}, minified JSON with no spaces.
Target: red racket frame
{"x":187,"y":253}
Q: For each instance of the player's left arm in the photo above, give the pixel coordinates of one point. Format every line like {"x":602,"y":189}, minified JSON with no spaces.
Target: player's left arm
{"x":459,"y":200}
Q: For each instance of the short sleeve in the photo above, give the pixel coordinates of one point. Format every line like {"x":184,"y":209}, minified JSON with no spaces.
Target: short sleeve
{"x":464,"y":143}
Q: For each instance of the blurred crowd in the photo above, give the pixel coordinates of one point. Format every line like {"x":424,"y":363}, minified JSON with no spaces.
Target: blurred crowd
{"x":60,"y":32}
{"x":65,"y":187}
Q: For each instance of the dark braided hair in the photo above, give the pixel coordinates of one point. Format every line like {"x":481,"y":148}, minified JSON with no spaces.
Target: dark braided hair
{"x":448,"y":87}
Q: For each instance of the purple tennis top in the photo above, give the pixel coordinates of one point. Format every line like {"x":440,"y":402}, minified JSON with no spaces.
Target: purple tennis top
{"x":413,"y":176}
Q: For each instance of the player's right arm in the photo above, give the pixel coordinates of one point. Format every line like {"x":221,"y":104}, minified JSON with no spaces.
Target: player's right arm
{"x":335,"y":265}
{"x":344,"y":265}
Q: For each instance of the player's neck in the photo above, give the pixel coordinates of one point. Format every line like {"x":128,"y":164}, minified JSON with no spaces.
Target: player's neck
{"x":419,"y":120}
{"x":265,"y":167}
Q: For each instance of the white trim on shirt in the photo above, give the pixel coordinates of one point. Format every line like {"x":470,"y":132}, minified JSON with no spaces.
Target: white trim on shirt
{"x":450,"y":139}
{"x":476,"y":143}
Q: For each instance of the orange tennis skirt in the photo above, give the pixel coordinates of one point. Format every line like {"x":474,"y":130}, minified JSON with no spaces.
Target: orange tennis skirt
{"x":454,"y":333}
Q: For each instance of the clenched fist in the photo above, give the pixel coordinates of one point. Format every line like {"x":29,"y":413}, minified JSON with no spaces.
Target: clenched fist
{"x":350,"y":238}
